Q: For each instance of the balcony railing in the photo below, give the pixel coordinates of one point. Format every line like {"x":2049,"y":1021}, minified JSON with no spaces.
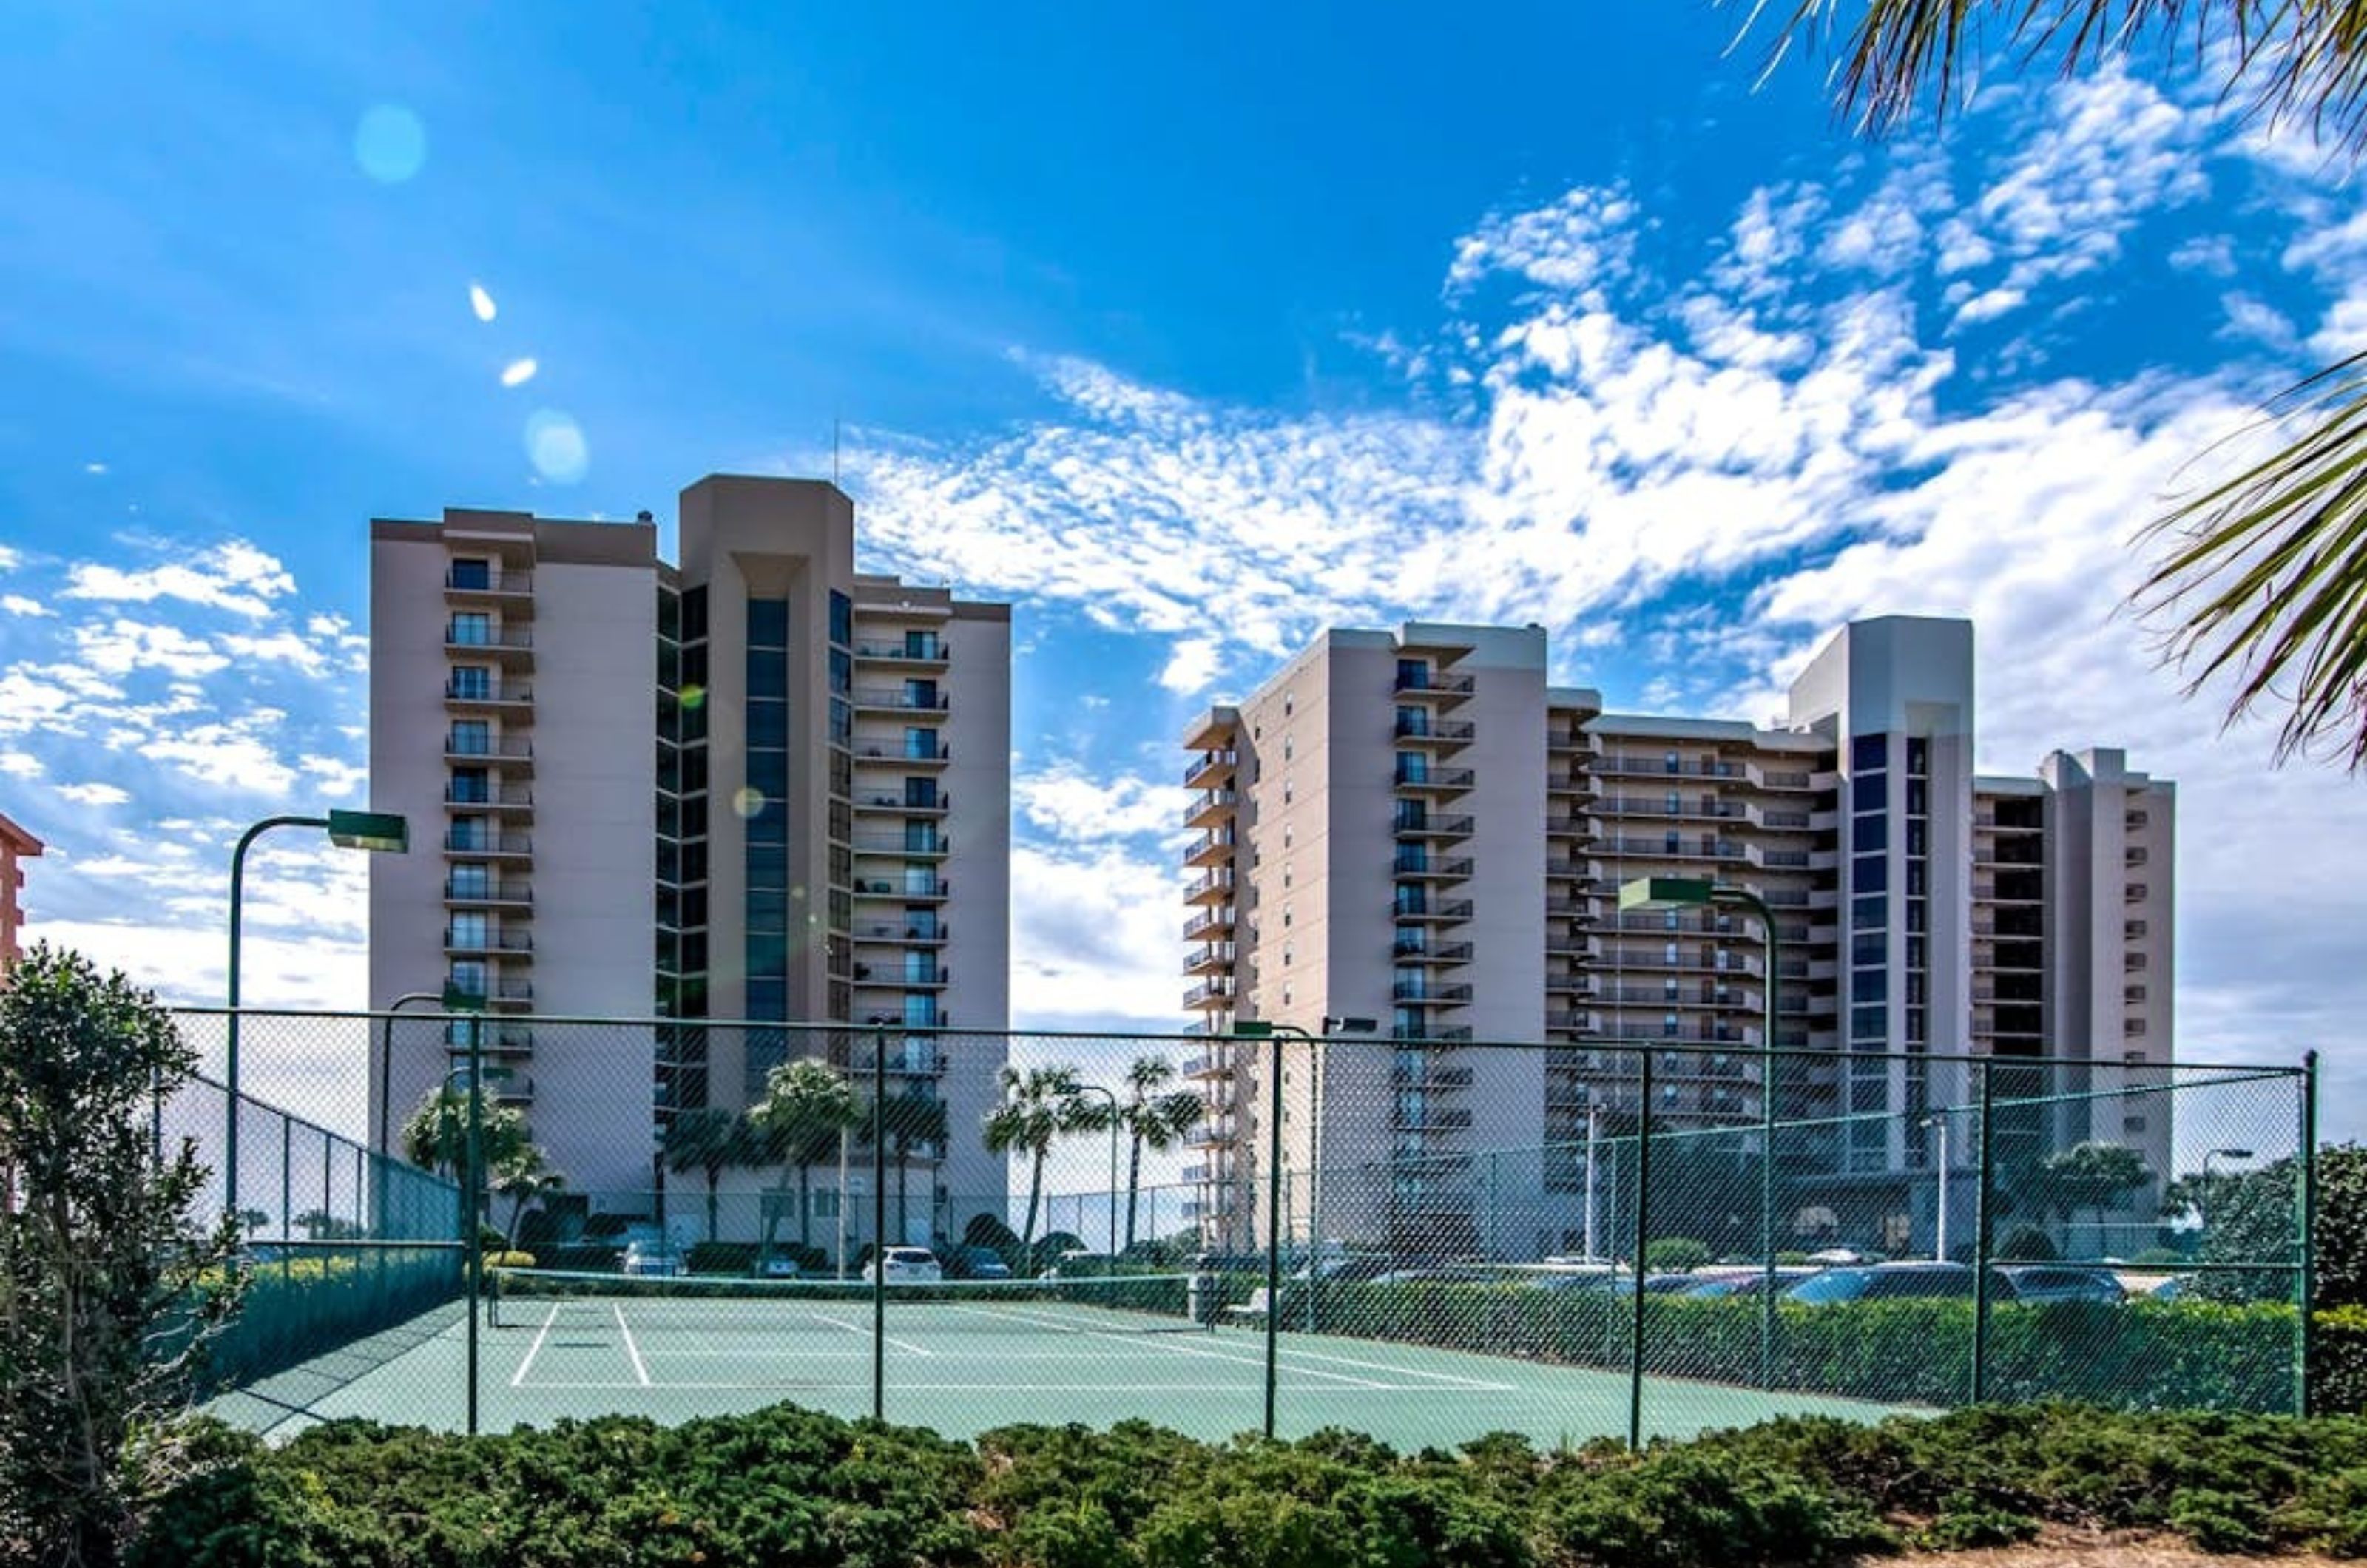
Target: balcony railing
{"x":1216,"y":955}
{"x":936,"y":805}
{"x":901,"y":701}
{"x":1444,"y":780}
{"x":496,"y":694}
{"x":899,"y":844}
{"x":1219,"y":880}
{"x":1216,"y":990}
{"x":1208,"y":846}
{"x":905,"y":653}
{"x":490,"y":843}
{"x":1208,"y":921}
{"x":1661,"y":767}
{"x":907,"y":887}
{"x":1450,"y":910}
{"x":458,"y":941}
{"x":931,"y":932}
{"x":1433,"y":825}
{"x":1435,"y":996}
{"x":502,"y":747}
{"x":1433,"y":684}
{"x":1206,"y":804}
{"x":495,"y":641}
{"x":1205,"y":764}
{"x":519,"y":893}
{"x":462,"y":581}
{"x":492,"y":799}
{"x":907,"y":754}
{"x":1444,"y":732}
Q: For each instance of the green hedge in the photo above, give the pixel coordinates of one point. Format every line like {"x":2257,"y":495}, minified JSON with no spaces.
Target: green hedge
{"x":2144,"y":1355}
{"x":785,"y":1486}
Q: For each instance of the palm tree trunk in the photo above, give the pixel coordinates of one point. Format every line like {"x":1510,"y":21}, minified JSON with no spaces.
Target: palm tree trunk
{"x":805,"y":1205}
{"x":1133,"y":1184}
{"x":517,"y":1213}
{"x":714,"y":1179}
{"x":1034,"y":1196}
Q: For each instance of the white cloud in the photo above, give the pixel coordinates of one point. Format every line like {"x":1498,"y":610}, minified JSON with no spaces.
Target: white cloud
{"x":334,"y":777}
{"x":21,"y":765}
{"x":1192,"y":666}
{"x":2214,"y":255}
{"x":1067,"y":802}
{"x":281,"y":647}
{"x":121,"y":646}
{"x":94,"y":794}
{"x":235,"y":577}
{"x":1093,"y":938}
{"x":2256,"y":320}
{"x":17,"y":604}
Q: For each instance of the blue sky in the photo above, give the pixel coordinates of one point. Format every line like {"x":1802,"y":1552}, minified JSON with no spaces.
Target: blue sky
{"x":1190,"y":334}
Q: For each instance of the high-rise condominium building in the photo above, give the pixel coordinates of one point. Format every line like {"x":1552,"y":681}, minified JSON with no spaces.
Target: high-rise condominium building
{"x":1414,"y":827}
{"x":758,"y":784}
{"x":16,"y":845}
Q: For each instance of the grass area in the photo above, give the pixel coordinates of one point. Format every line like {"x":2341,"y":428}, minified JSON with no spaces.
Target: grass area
{"x":786,"y":1485}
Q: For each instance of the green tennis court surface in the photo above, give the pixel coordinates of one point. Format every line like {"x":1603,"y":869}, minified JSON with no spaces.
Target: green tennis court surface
{"x":963,"y":1367}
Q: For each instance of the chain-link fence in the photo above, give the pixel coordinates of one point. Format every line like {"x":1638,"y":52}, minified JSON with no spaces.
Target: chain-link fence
{"x":1422,"y":1240}
{"x":341,"y":1242}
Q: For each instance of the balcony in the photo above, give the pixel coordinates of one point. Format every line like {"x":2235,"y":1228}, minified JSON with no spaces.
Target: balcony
{"x":1419,"y":868}
{"x":1428,"y":912}
{"x":1213,"y":993}
{"x":1776,"y":860}
{"x":1435,"y":781}
{"x":507,"y":991}
{"x":1413,"y":945}
{"x":489,"y":895}
{"x":1215,"y":958}
{"x":1783,"y":778}
{"x":1439,"y":734}
{"x":932,"y":846}
{"x":900,"y":805}
{"x":1210,"y":808}
{"x":930,"y":979}
{"x":1209,"y":1067}
{"x":1208,"y":768}
{"x":514,"y":591}
{"x":927,"y":651}
{"x":1684,"y":848}
{"x":1210,"y":886}
{"x":1209,"y":849}
{"x":906,"y":756}
{"x":1436,"y":686}
{"x":902,"y":933}
{"x":512,"y":799}
{"x":1209,"y":923}
{"x":1647,"y":806}
{"x":1446,"y":827}
{"x":1431,"y":1077}
{"x":895,"y":699}
{"x":509,"y":646}
{"x":490,"y":846}
{"x":1423,"y":993}
{"x":1574,"y":784}
{"x":1637,"y":767}
{"x":1222,"y":1135}
{"x":1570,"y":826}
{"x":508,"y":698}
{"x":508,"y":751}
{"x":910,"y":889}
{"x":506,"y":944}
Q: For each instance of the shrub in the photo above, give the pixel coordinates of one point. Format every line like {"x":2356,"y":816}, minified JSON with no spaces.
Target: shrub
{"x":509,"y":1260}
{"x":2218,"y":1521}
{"x":1688,"y":1509}
{"x":1675,"y":1255}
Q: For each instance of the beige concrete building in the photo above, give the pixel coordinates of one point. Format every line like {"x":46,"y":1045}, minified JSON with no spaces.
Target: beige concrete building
{"x":1414,"y":827}
{"x":16,"y":846}
{"x":758,"y":786}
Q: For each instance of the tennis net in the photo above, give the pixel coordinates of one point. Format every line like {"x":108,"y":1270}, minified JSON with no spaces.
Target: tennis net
{"x":537,"y":1299}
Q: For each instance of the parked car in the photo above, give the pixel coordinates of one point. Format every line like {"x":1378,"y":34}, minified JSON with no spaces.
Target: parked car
{"x":974,"y":1263}
{"x":1726,"y":1284}
{"x":1882,"y":1281}
{"x":2174,"y":1289}
{"x":652,"y":1259}
{"x":2042,"y":1284}
{"x":777,"y":1265}
{"x":906,"y":1266}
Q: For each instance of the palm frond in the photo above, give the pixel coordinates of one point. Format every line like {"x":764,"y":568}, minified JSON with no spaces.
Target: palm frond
{"x":2297,"y":63}
{"x":2266,"y":578}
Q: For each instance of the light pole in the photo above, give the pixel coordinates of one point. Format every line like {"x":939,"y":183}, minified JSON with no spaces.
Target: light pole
{"x":1117,"y":1120}
{"x":2203,"y":1206}
{"x":1593,"y":1131}
{"x":1257,"y":1029}
{"x":1646,"y":893}
{"x":381,"y":830}
{"x":1940,"y":1229}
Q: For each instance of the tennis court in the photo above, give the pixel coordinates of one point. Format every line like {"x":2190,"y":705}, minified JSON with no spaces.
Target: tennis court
{"x":964,"y":1363}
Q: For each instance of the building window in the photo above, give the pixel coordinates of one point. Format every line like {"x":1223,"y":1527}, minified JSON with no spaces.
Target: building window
{"x":1869,"y":753}
{"x":472,"y":571}
{"x":841,"y":619}
{"x":472,"y":682}
{"x":471,"y":786}
{"x":920,"y":744}
{"x":471,"y":630}
{"x":469,"y":928}
{"x":471,"y":879}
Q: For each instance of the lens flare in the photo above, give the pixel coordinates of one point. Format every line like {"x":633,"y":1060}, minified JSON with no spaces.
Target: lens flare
{"x":390,"y":143}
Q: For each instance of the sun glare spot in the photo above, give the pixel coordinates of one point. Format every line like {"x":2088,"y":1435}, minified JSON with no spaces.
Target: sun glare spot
{"x":481,"y":302}
{"x":519,"y":372}
{"x":555,"y":445}
{"x":390,"y":143}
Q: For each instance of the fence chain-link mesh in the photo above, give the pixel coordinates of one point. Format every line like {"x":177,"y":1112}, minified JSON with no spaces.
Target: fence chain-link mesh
{"x":1423,"y":1241}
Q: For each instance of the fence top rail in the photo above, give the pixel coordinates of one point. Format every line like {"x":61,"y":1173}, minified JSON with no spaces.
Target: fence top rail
{"x":1636,"y":1046}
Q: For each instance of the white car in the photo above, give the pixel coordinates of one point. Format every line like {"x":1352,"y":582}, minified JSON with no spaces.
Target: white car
{"x":906,"y":1266}
{"x":651,"y":1259}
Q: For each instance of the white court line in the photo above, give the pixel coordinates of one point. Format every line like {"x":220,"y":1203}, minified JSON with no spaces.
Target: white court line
{"x":865,"y":1332}
{"x":1003,"y":1387}
{"x":1161,"y":1341}
{"x":1447,"y":1377}
{"x":639,"y":1370}
{"x":535,"y":1348}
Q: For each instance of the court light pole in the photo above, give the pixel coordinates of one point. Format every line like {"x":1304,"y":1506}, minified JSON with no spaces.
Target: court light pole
{"x":1650,"y":892}
{"x":377,"y":830}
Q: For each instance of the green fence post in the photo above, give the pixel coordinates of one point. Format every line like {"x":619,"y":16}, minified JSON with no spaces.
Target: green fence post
{"x":473,"y":1203}
{"x":1983,"y":1215}
{"x":879,"y":1225}
{"x":287,"y":1199}
{"x":1272,"y":1221}
{"x":1643,"y":1237}
{"x":2305,"y":1325}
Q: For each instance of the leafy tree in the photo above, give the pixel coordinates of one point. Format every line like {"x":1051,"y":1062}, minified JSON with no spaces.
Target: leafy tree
{"x":1151,"y":1120}
{"x":1675,"y":1255}
{"x":2264,"y":578}
{"x":2093,"y":1175}
{"x":913,"y":1122}
{"x":709,"y":1140}
{"x":436,"y":1134}
{"x":526,"y":1177}
{"x":807,"y":1104}
{"x":1039,"y":1105}
{"x":2249,"y":1218}
{"x":110,"y":1285}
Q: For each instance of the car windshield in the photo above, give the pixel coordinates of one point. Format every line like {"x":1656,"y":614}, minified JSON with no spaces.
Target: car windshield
{"x":1838,"y":1285}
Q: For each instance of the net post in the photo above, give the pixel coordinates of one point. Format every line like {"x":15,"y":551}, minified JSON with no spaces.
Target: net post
{"x":1643,"y":1236}
{"x":1273,"y":1222}
{"x":1983,"y":1217}
{"x":287,"y":1199}
{"x":879,"y":1226}
{"x":2305,"y":1325}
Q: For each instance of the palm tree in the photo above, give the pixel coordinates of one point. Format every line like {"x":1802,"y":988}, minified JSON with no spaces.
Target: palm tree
{"x":911,"y":1119}
{"x":1154,"y":1120}
{"x":807,"y":1104}
{"x":2264,"y":575}
{"x":436,"y":1134}
{"x":709,"y":1140}
{"x":524,"y":1178}
{"x":1039,"y":1105}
